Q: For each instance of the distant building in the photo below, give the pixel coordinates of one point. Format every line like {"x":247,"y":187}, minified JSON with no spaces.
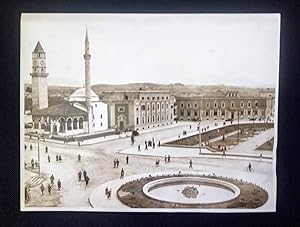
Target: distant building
{"x":82,"y":113}
{"x":218,"y":105}
{"x":139,"y":109}
{"x":269,"y":94}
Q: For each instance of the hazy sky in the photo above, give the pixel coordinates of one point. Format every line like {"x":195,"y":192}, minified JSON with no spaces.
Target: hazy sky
{"x":233,"y":49}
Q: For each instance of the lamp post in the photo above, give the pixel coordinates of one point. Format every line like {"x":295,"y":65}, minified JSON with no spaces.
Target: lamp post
{"x":199,"y":124}
{"x":238,"y":135}
{"x":39,"y":165}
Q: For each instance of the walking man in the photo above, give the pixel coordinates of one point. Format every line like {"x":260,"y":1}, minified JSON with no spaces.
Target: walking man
{"x":48,"y":158}
{"x":78,"y":143}
{"x":169,"y":158}
{"x":191,"y":164}
{"x":79,"y":157}
{"x":57,"y":157}
{"x":25,"y":147}
{"x":79,"y":175}
{"x":159,"y":143}
{"x":127,"y":159}
{"x":46,"y":149}
{"x":84,"y":174}
{"x":32,"y":163}
{"x":58,"y":184}
{"x":117,"y":162}
{"x":52,"y":179}
{"x":49,"y":189}
{"x":139,"y":147}
{"x":165,"y":158}
{"x":87,"y":179}
{"x":122,"y":174}
{"x":31,"y":147}
{"x":42,"y":189}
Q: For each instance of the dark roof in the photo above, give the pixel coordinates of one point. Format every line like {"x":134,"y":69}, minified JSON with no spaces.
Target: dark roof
{"x":38,"y":48}
{"x":64,"y":109}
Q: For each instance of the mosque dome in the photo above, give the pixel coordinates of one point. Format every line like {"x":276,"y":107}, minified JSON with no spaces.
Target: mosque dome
{"x":79,"y":96}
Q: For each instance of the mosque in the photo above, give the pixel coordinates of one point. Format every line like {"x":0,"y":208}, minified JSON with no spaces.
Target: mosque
{"x":83,"y":112}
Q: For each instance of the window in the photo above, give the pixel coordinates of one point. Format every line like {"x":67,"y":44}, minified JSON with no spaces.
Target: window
{"x":69,"y":124}
{"x":249,"y":112}
{"x":188,"y":105}
{"x":153,"y":98}
{"x":81,"y":123}
{"x":249,"y":104}
{"x":223,"y":113}
{"x":195,"y":113}
{"x":215,"y":113}
{"x":143,"y":107}
{"x":157,"y":98}
{"x":153,"y":106}
{"x":137,"y":109}
{"x":207,"y":113}
{"x":162,"y":97}
{"x":207,"y":105}
{"x":232,"y":104}
{"x":158,"y":106}
{"x":121,"y":109}
{"x":256,"y":104}
{"x":137,"y":120}
{"x":195,"y":105}
{"x":167,"y":97}
{"x":143,"y":120}
{"x":223,"y":104}
{"x":75,"y":123}
{"x":153,"y":118}
{"x":148,"y":106}
{"x":126,"y":97}
{"x":162,"y":106}
{"x":148,"y":119}
{"x":181,"y":105}
{"x":216,"y":105}
{"x":142,"y":98}
{"x":242,"y":104}
{"x":181,"y":113}
{"x":188,"y":113}
{"x":157,"y":117}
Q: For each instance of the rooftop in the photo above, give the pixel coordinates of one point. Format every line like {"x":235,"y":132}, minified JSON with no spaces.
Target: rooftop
{"x":63,"y":109}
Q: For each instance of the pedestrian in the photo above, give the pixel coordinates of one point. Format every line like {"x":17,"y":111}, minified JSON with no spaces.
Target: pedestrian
{"x":109,"y":194}
{"x":127,"y":158}
{"x":87,"y":179}
{"x":78,"y":143}
{"x":79,"y":175}
{"x":260,"y":156}
{"x":36,"y":164}
{"x":117,"y":162}
{"x":46,"y":149}
{"x":224,"y":154}
{"x":122,"y":174}
{"x":169,"y":158}
{"x":84,"y":174}
{"x":32,"y":163}
{"x":31,"y":147}
{"x":190,"y":127}
{"x":42,"y":188}
{"x":58,"y":184}
{"x":52,"y":179}
{"x":25,"y":147}
{"x":48,"y":158}
{"x":79,"y":157}
{"x":165,"y":158}
{"x":159,"y":143}
{"x":191,"y":164}
{"x":27,"y":193}
{"x":139,"y":147}
{"x":57,"y":157}
{"x":146,"y":147}
{"x":106,"y":190}
{"x":153,"y":145}
{"x":49,"y":189}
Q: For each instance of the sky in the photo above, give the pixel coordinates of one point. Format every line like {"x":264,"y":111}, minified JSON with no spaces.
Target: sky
{"x":202,"y":49}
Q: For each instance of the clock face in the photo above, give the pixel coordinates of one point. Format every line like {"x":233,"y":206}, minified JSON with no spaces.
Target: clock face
{"x":35,"y":62}
{"x":42,"y":63}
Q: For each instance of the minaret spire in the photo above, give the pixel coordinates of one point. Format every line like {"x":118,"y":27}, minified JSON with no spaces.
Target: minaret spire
{"x":87,"y":58}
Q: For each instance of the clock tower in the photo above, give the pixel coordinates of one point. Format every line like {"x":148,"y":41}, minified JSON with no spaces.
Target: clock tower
{"x":39,"y":79}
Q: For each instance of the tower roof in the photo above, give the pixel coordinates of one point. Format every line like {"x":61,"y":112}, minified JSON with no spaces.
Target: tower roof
{"x":38,"y":48}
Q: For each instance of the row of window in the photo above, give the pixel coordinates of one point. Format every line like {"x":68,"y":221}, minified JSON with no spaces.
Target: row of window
{"x":143,"y":107}
{"x":215,"y":113}
{"x":216,"y":105}
{"x":38,"y":55}
{"x":153,"y":119}
{"x":155,"y":98}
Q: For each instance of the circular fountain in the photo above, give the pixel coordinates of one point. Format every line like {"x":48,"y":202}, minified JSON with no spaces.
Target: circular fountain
{"x":191,"y":190}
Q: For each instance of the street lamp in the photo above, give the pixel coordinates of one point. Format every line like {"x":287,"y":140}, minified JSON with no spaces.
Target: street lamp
{"x":199,"y":124}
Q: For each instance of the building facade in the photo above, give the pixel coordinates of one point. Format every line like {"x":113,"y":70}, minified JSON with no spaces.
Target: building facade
{"x":139,"y":109}
{"x":220,"y":105}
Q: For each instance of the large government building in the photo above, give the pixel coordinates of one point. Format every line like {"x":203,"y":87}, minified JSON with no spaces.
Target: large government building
{"x":219,"y":105}
{"x":141,"y":109}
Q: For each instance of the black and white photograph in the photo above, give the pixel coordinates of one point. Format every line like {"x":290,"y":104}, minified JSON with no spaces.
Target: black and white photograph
{"x":141,"y":112}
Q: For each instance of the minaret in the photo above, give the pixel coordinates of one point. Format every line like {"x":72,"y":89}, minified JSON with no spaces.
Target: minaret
{"x":87,"y":58}
{"x":39,"y":79}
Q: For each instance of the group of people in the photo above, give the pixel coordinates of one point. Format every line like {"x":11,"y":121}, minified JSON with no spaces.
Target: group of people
{"x":167,"y":158}
{"x":30,"y":147}
{"x":58,"y":158}
{"x":51,"y":185}
{"x":116,"y":163}
{"x":85,"y":176}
